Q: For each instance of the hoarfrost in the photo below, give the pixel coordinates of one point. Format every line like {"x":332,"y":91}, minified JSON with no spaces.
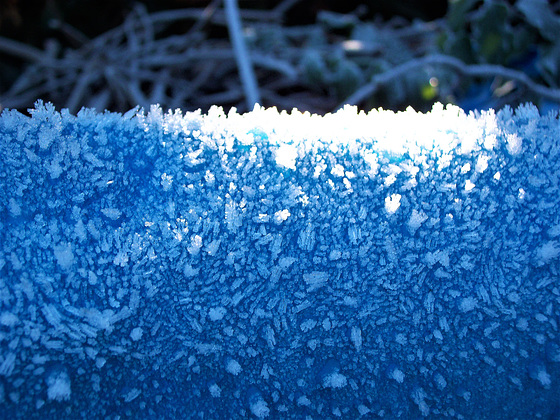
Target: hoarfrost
{"x":217,"y":314}
{"x":416,"y":219}
{"x":392,"y":203}
{"x":378,"y":264}
{"x":233,"y":367}
{"x":467,"y":304}
{"x":58,"y":386}
{"x":64,"y":256}
{"x":547,"y":252}
{"x":335,"y":380}
{"x":136,"y":334}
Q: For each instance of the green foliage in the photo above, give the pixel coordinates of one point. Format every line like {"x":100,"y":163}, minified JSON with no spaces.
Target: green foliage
{"x":499,"y":33}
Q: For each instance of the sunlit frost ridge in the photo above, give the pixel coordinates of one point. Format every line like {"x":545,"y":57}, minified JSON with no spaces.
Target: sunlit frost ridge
{"x":444,"y":128}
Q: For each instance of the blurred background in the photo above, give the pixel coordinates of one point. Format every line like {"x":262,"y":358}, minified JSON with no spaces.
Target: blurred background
{"x":312,"y":55}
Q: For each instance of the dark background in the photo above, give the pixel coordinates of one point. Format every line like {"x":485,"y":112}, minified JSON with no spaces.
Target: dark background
{"x":477,"y":32}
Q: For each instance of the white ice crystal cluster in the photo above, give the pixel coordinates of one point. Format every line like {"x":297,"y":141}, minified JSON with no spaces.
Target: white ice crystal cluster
{"x":279,"y":265}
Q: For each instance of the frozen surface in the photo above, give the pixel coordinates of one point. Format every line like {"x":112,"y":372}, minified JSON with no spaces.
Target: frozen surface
{"x":280,"y":266}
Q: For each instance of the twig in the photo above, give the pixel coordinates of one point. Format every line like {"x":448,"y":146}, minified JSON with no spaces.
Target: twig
{"x":473,"y":70}
{"x":80,"y":89}
{"x":21,"y":50}
{"x":73,"y":34}
{"x":100,"y":100}
{"x":272,"y":63}
{"x":205,"y":16}
{"x":244,"y":65}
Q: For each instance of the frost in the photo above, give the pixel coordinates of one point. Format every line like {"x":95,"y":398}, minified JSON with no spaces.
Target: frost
{"x":233,"y":367}
{"x":356,"y":337}
{"x":418,"y":396}
{"x":335,"y":254}
{"x":15,"y":209}
{"x":278,"y":264}
{"x":547,"y":252}
{"x":315,"y":280}
{"x":232,"y":216}
{"x":416,"y":220}
{"x":136,"y":334}
{"x":467,"y":304}
{"x":514,"y":144}
{"x":7,"y":364}
{"x":554,"y":231}
{"x":212,"y":247}
{"x":64,"y":256}
{"x":306,"y":240}
{"x":217,"y":314}
{"x":286,"y":156}
{"x":335,"y":380}
{"x":132,"y":395}
{"x":286,"y":262}
{"x":308,"y":325}
{"x":8,"y":319}
{"x":397,"y":375}
{"x":196,"y":244}
{"x":111,"y":213}
{"x":481,"y":164}
{"x":58,"y":386}
{"x":281,"y":216}
{"x":215,"y":390}
{"x":260,"y":408}
{"x":440,"y":381}
{"x":338,"y":170}
{"x":363,"y":410}
{"x":190,"y":271}
{"x":538,"y":372}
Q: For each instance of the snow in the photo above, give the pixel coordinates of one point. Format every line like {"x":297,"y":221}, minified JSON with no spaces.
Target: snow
{"x":279,"y":265}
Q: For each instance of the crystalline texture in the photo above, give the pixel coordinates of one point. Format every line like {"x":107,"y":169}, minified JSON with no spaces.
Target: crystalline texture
{"x":275,"y":265}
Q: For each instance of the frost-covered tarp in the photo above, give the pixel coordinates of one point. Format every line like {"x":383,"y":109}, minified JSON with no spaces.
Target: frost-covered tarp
{"x":283,"y":266}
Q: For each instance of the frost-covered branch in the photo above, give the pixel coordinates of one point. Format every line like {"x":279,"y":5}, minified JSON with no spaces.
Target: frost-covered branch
{"x":473,"y":70}
{"x":241,"y":55}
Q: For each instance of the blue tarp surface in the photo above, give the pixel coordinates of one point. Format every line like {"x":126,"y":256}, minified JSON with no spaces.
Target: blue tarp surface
{"x":283,"y":266}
